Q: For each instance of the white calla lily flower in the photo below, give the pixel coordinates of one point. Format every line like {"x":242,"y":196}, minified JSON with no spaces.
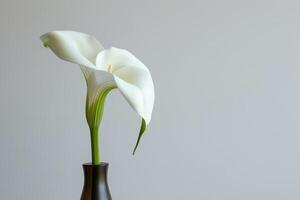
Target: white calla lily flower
{"x":104,"y":70}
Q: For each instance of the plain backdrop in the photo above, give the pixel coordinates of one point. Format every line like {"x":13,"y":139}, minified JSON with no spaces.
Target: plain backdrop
{"x":226,"y":120}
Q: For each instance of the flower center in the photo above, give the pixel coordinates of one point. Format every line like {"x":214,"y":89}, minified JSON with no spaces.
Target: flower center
{"x":109,"y":69}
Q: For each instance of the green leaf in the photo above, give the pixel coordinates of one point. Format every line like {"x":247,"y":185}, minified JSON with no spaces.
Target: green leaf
{"x":142,"y":130}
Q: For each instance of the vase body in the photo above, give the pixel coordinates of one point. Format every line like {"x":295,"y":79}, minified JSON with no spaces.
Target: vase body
{"x":95,"y":182}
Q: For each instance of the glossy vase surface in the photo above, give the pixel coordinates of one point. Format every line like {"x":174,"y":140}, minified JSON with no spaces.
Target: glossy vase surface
{"x":95,"y":182}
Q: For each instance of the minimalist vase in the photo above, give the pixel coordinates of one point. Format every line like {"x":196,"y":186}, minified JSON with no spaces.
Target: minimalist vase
{"x":95,"y":182}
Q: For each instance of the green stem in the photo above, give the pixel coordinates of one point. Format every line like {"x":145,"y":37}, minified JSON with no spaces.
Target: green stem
{"x":95,"y":146}
{"x":94,"y":114}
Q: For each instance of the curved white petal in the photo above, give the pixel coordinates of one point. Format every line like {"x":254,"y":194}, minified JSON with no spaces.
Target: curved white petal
{"x":75,"y":47}
{"x":103,"y":68}
{"x":132,"y":78}
{"x":117,"y":58}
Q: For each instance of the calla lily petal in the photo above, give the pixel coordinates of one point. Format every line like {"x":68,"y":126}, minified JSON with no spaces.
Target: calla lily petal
{"x":118,"y":58}
{"x":75,"y":47}
{"x":132,"y":77}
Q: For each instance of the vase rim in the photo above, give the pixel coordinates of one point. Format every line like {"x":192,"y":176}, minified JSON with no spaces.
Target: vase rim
{"x":100,"y":165}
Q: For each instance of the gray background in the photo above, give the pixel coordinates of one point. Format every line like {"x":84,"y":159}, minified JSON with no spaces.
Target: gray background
{"x":226,"y":118}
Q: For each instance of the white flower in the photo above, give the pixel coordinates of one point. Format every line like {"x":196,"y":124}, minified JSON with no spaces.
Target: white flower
{"x":104,"y":70}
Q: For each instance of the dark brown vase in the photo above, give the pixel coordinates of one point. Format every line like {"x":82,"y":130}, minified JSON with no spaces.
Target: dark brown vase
{"x":95,"y":182}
